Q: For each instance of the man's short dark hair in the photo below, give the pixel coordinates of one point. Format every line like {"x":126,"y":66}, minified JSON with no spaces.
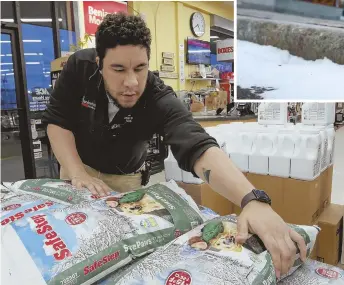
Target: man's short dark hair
{"x":121,"y":29}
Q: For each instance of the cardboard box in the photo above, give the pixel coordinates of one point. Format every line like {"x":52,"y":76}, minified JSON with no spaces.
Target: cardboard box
{"x":236,"y":210}
{"x":301,"y":201}
{"x":204,"y":195}
{"x":296,"y":201}
{"x":330,"y":238}
{"x":216,"y":100}
{"x":313,"y":254}
{"x":273,"y":186}
{"x":326,"y":187}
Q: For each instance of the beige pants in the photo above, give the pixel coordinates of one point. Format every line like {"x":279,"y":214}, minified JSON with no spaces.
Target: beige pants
{"x":119,"y":183}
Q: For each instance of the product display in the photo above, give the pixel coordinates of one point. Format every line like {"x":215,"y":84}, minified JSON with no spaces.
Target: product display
{"x":305,"y":162}
{"x":318,"y":113}
{"x":262,"y":149}
{"x":273,"y":113}
{"x":209,"y":255}
{"x":82,"y":243}
{"x":283,"y":150}
{"x":272,"y":146}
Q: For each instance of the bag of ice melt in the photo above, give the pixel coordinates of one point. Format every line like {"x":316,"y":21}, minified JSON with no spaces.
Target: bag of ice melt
{"x":315,"y":273}
{"x":208,"y":214}
{"x":208,"y":255}
{"x":5,"y":192}
{"x":19,"y":206}
{"x":14,"y":202}
{"x":60,"y":191}
{"x":82,"y":243}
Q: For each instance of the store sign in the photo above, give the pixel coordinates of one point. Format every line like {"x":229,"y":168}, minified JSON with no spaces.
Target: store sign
{"x":39,"y":98}
{"x":225,"y":50}
{"x":95,"y":11}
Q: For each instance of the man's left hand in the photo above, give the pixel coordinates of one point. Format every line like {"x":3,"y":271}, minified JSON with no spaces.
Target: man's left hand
{"x":259,"y":218}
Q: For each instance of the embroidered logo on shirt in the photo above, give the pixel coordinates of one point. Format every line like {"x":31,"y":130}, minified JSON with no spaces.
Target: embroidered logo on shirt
{"x":115,"y":126}
{"x":88,"y":104}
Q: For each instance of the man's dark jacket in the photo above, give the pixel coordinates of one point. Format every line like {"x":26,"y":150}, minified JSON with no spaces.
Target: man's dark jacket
{"x":79,"y":103}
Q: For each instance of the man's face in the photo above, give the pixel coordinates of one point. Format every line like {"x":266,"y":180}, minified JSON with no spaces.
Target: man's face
{"x":125,"y":72}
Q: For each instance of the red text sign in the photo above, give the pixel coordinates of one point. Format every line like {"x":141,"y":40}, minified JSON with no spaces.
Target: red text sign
{"x":95,"y":11}
{"x":225,"y":50}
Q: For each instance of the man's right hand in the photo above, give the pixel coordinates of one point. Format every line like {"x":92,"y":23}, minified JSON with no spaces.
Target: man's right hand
{"x":95,"y":185}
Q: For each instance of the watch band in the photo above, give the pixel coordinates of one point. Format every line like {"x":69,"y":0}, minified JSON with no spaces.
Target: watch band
{"x":257,"y":195}
{"x":247,"y":198}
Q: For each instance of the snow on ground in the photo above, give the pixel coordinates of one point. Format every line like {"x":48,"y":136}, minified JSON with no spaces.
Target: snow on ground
{"x":292,"y":77}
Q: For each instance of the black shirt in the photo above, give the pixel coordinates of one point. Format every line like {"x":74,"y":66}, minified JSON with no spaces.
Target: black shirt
{"x":79,"y":103}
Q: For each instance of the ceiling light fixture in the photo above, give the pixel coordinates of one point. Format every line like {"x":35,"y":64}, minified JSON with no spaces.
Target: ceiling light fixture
{"x":32,"y":41}
{"x":33,"y":20}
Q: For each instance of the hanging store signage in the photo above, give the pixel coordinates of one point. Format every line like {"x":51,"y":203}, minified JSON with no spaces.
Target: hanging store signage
{"x":168,"y":55}
{"x":167,"y":68}
{"x":225,"y":50}
{"x":95,"y":11}
{"x":167,"y":61}
{"x":168,"y":75}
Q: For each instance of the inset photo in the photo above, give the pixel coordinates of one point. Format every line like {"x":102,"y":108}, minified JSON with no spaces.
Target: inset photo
{"x":290,"y":50}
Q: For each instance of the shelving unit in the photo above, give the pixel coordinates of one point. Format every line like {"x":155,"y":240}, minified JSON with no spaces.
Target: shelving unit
{"x":201,"y":79}
{"x":207,"y":79}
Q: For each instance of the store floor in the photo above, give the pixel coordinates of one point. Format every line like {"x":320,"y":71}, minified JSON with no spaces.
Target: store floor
{"x":338,"y":170}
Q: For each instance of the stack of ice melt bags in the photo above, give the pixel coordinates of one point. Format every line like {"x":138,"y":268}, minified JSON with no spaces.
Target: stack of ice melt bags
{"x":81,"y":243}
{"x":209,"y":255}
{"x":27,"y":197}
{"x":16,"y":205}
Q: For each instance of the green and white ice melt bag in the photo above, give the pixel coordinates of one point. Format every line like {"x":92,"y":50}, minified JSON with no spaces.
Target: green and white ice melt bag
{"x":56,"y":190}
{"x":208,"y":255}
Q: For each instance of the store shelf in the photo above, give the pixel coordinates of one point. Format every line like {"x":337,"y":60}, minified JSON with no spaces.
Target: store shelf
{"x":201,"y":79}
{"x":207,"y":79}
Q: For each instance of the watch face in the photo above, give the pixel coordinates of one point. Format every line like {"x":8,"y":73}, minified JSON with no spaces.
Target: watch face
{"x":261,"y":196}
{"x":197,"y":24}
